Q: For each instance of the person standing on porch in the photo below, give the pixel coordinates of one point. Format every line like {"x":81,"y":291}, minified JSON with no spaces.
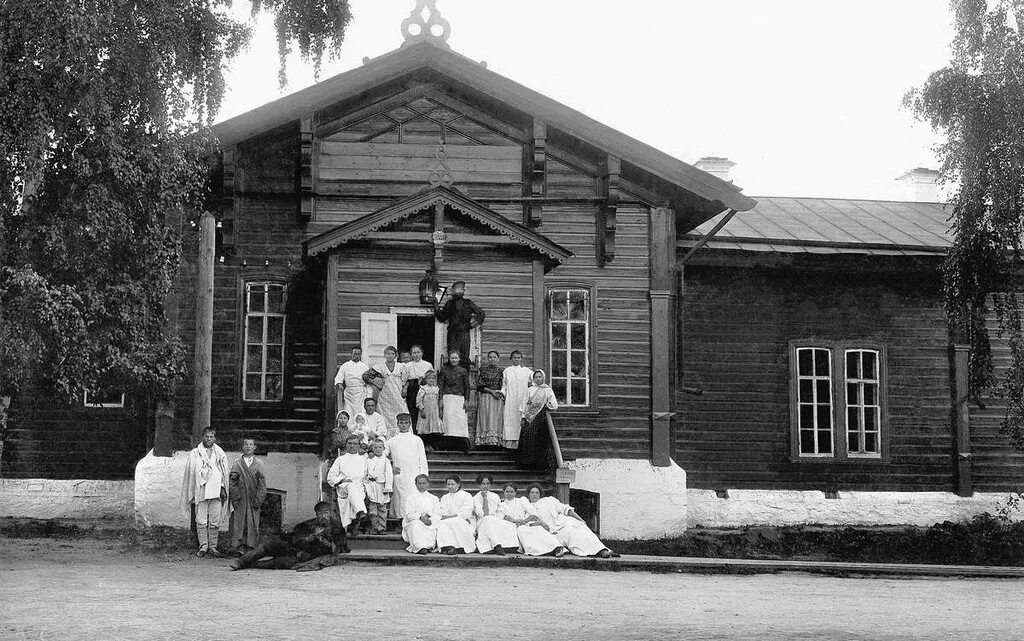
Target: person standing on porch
{"x":534,"y":438}
{"x":491,"y":407}
{"x":206,"y":486}
{"x":462,"y":315}
{"x":379,"y":487}
{"x":408,"y":460}
{"x":349,"y":383}
{"x":515,"y":382}
{"x":453,"y":379}
{"x":247,"y":488}
{"x":415,"y":370}
{"x":394,"y":387}
{"x":428,"y":402}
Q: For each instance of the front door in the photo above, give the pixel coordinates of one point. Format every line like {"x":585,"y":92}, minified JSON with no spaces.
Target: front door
{"x":377,"y":331}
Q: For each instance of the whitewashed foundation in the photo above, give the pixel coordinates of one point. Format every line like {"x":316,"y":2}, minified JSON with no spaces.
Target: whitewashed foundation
{"x":66,"y":499}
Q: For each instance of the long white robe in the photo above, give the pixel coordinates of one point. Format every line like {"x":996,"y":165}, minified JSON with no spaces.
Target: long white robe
{"x":456,"y":531}
{"x":351,"y":374}
{"x":572,"y":533}
{"x":349,"y":473}
{"x":414,"y":531}
{"x":492,"y":530}
{"x":390,"y":402}
{"x":408,"y":460}
{"x":533,"y":539}
{"x":515,"y":381}
{"x":380,"y":480}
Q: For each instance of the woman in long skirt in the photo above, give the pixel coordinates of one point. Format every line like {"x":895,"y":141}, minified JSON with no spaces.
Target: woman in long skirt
{"x":534,"y":539}
{"x":494,"y":535}
{"x":491,"y":405}
{"x":570,"y":530}
{"x":391,"y":401}
{"x":534,"y":440}
{"x":415,"y":370}
{"x":455,"y":529}
{"x":453,"y":379}
{"x":420,"y":516}
{"x":515,"y":381}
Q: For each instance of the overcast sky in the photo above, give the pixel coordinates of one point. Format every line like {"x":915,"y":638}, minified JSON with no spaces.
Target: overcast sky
{"x":804,"y":95}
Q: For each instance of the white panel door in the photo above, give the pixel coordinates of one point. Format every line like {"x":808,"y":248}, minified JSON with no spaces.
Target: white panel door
{"x":377,"y":331}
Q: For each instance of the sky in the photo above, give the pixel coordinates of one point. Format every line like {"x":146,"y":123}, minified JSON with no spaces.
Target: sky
{"x":804,"y":95}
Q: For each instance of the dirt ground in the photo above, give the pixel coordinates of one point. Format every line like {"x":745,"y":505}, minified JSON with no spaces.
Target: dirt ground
{"x":96,"y":589}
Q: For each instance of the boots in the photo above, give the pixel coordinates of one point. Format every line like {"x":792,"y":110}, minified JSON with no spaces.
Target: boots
{"x":204,"y":540}
{"x":213,"y":535}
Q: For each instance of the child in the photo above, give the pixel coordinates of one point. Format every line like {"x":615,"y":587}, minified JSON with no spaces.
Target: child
{"x":358,"y":428}
{"x":427,"y":400}
{"x":379,"y":485}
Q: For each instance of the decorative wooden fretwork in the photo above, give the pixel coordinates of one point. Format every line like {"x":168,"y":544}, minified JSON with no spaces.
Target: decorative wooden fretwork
{"x":606,"y":217}
{"x":538,"y":173}
{"x":426,"y":24}
{"x":306,"y":167}
{"x":225,"y":230}
{"x":442,"y":175}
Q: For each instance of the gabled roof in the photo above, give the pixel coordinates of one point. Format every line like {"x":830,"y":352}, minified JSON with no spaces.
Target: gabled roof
{"x":834,"y":226}
{"x":398,"y":63}
{"x":416,"y":203}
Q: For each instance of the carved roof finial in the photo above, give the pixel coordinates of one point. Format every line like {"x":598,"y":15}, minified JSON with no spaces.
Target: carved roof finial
{"x":425,"y":23}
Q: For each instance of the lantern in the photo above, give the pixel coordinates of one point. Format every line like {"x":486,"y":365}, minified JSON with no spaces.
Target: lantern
{"x":428,"y":289}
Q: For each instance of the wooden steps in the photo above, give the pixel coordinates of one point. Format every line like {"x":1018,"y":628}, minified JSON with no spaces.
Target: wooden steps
{"x":467,"y":465}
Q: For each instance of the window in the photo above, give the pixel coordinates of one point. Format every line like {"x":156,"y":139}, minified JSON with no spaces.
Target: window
{"x":838,"y":401}
{"x":569,"y":332}
{"x":103,"y":399}
{"x":264,"y":342}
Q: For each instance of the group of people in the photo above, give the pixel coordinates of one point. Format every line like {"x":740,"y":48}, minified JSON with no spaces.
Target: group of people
{"x":510,"y":414}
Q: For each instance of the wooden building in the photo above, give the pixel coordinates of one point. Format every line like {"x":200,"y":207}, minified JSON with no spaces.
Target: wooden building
{"x":699,"y":367}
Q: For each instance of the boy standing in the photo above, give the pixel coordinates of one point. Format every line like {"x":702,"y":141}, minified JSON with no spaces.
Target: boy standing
{"x":379,"y":485}
{"x":206,"y":486}
{"x":248,"y":489}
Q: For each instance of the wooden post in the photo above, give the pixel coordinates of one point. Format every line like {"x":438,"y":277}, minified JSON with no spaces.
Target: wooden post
{"x":204,"y":325}
{"x":962,"y":418}
{"x":662,"y":245}
{"x":332,"y":402}
{"x":539,"y":316}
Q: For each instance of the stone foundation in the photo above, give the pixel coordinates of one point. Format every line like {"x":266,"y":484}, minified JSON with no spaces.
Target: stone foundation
{"x":158,"y":487}
{"x":66,"y":499}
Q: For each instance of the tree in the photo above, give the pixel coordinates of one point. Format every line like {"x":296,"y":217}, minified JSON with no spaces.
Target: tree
{"x":977,"y":102}
{"x":105,"y":107}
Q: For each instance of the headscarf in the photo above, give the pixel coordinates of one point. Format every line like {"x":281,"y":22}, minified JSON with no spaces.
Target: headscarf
{"x":544,"y":384}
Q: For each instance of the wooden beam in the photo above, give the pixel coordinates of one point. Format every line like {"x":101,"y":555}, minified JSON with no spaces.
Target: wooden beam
{"x":962,"y":417}
{"x":606,"y":218}
{"x":330,"y":347}
{"x":662,"y":232}
{"x":539,"y":317}
{"x":203,"y":370}
{"x":306,"y":181}
{"x":537,"y":178}
{"x":227,"y":206}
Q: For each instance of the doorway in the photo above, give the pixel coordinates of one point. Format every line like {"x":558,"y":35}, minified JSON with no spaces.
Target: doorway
{"x":417,"y":330}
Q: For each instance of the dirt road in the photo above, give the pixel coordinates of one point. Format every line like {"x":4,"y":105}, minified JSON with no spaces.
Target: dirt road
{"x":88,"y":589}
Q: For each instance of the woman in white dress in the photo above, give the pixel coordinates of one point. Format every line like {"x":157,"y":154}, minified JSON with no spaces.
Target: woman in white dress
{"x":455,"y":529}
{"x":415,"y":370}
{"x":420,"y":516}
{"x":494,"y":535}
{"x":562,"y":521}
{"x":391,"y":400}
{"x":515,"y":381}
{"x":533,"y":538}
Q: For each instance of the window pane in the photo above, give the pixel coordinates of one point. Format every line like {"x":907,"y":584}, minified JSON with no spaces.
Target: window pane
{"x":805,"y":365}
{"x":871,"y":443}
{"x":578,"y":334}
{"x":806,"y":391}
{"x":824,"y":392}
{"x":824,"y":417}
{"x":852,"y":362}
{"x":853,"y":419}
{"x":273,"y":387}
{"x":274,"y":360}
{"x":853,"y":442}
{"x":255,"y":329}
{"x":252,"y":387}
{"x":558,"y":387}
{"x":559,"y":335}
{"x":254,"y":358}
{"x":870,"y":365}
{"x":806,"y":416}
{"x":807,"y":441}
{"x":821,"y":364}
{"x":275,"y":330}
{"x":578,"y":304}
{"x":275,"y":299}
{"x":870,"y":420}
{"x":579,"y":391}
{"x":558,"y":365}
{"x":579,"y":363}
{"x":559,"y":309}
{"x":852,"y":393}
{"x":870,"y":394}
{"x":824,"y":442}
{"x":256,"y":297}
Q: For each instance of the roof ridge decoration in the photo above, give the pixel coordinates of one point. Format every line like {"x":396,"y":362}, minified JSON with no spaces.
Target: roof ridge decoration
{"x":441,"y":176}
{"x":421,"y":23}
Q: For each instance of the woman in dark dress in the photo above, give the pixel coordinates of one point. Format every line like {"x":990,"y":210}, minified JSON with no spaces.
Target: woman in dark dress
{"x":534,"y":441}
{"x":415,"y":370}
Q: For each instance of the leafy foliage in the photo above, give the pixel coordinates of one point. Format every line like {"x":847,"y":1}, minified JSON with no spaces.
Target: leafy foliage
{"x":104,"y":114}
{"x":978,"y":103}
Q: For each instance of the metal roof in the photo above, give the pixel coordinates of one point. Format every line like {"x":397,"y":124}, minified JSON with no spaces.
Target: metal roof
{"x":833,"y":226}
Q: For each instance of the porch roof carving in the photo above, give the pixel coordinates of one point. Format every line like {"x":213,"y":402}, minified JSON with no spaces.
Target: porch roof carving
{"x":366,"y":225}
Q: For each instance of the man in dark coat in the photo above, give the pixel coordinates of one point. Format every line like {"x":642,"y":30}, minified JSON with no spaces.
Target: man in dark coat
{"x":312,"y":545}
{"x":462,"y":315}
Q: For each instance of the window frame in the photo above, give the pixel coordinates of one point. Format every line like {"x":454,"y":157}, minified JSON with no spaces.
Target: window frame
{"x":840,"y":403}
{"x":243,"y":336}
{"x":591,"y":349}
{"x":95,"y":406}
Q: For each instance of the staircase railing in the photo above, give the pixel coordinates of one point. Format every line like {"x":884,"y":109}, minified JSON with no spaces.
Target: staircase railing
{"x":559,"y":462}
{"x":563,"y":475}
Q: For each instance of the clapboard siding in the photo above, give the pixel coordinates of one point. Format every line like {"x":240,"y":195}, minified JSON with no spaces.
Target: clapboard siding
{"x":737,"y":324}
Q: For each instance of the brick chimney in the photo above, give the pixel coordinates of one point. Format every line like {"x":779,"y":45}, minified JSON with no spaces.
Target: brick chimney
{"x":921,"y":185}
{"x":717,"y":167}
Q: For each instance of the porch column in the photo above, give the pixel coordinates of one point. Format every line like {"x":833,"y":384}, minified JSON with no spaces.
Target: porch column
{"x":204,"y":325}
{"x":331,"y":406}
{"x":663,"y":303}
{"x":962,"y":417}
